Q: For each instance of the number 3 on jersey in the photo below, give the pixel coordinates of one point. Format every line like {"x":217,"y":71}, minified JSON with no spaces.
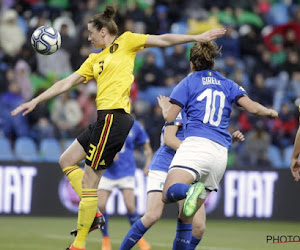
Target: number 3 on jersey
{"x":210,"y":107}
{"x":101,"y":67}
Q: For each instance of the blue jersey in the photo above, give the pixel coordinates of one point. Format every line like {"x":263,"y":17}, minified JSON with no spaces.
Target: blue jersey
{"x":164,"y":155}
{"x":126,"y":165}
{"x":206,"y":97}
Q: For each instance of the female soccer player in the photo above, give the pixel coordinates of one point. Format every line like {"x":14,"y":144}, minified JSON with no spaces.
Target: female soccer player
{"x":206,"y":96}
{"x":112,"y":69}
{"x":172,"y":136}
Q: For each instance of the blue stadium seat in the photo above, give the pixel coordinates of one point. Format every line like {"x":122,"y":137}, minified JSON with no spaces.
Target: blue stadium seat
{"x":287,"y":155}
{"x":67,"y":143}
{"x":50,"y":150}
{"x":275,"y":156}
{"x":6,"y":153}
{"x":26,"y":149}
{"x":159,"y":57}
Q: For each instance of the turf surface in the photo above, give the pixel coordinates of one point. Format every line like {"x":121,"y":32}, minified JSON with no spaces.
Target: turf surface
{"x":36,"y":233}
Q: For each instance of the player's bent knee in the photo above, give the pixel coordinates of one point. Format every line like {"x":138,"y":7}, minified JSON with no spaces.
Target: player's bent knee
{"x":151,"y":218}
{"x":65,"y":160}
{"x":62,"y":161}
{"x":164,"y":199}
{"x":199,"y":229}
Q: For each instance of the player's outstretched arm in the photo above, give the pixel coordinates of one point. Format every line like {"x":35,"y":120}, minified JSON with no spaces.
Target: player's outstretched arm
{"x":172,"y":39}
{"x":56,"y":89}
{"x":295,"y":163}
{"x":256,"y":108}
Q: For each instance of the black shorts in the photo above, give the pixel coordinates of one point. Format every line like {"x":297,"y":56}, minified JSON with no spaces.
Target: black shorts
{"x":103,"y":139}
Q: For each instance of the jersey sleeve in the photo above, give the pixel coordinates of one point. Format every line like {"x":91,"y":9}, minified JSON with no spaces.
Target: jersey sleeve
{"x":142,"y":136}
{"x":179,"y":95}
{"x":86,"y":69}
{"x":237,"y":92}
{"x":135,"y":41}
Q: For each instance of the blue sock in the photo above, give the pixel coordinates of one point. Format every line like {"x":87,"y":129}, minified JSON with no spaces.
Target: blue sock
{"x":183,"y":236}
{"x":105,"y":228}
{"x":177,"y":192}
{"x":194,"y":242}
{"x":132,"y":218}
{"x":134,"y":234}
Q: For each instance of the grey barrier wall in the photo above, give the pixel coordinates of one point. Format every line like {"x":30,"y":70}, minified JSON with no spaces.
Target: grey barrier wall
{"x":40,"y":189}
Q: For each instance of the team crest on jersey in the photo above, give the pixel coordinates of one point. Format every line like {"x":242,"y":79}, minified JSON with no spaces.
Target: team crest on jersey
{"x":113,"y":48}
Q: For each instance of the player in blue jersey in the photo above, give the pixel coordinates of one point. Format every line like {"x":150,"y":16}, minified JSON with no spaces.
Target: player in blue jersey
{"x":171,"y":137}
{"x":122,"y":175}
{"x":206,"y":97}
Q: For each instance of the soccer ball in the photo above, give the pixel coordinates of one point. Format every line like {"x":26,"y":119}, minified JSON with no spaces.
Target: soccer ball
{"x":45,"y":40}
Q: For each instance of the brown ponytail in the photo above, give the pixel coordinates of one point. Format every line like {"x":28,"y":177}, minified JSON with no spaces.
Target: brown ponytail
{"x":202,"y":55}
{"x":106,"y":19}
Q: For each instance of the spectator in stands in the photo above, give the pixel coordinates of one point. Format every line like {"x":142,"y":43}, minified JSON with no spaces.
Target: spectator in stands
{"x":149,"y":74}
{"x":176,"y":63}
{"x":28,"y":55}
{"x":251,"y":47}
{"x":162,"y":19}
{"x":68,"y":43}
{"x":292,"y":67}
{"x":22,"y":73}
{"x":58,"y":63}
{"x":134,"y":12}
{"x":12,"y":37}
{"x":257,"y":142}
{"x":244,"y":16}
{"x":260,"y":92}
{"x":9,"y":100}
{"x":275,"y":43}
{"x":264,"y":64}
{"x":86,"y":100}
{"x":66,"y":115}
{"x":41,"y":111}
{"x":284,"y":127}
{"x":230,"y":57}
{"x":42,"y":129}
{"x":150,"y":20}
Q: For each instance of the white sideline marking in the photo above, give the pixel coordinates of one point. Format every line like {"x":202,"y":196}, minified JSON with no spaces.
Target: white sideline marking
{"x":152,"y":243}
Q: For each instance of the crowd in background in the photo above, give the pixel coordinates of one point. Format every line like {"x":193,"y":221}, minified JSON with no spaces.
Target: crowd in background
{"x":260,"y":51}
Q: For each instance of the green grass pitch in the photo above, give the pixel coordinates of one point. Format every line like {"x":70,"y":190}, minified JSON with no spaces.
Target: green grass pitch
{"x":36,"y":233}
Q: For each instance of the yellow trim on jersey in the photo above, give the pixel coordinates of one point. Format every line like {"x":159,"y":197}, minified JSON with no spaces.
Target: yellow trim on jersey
{"x":113,"y":71}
